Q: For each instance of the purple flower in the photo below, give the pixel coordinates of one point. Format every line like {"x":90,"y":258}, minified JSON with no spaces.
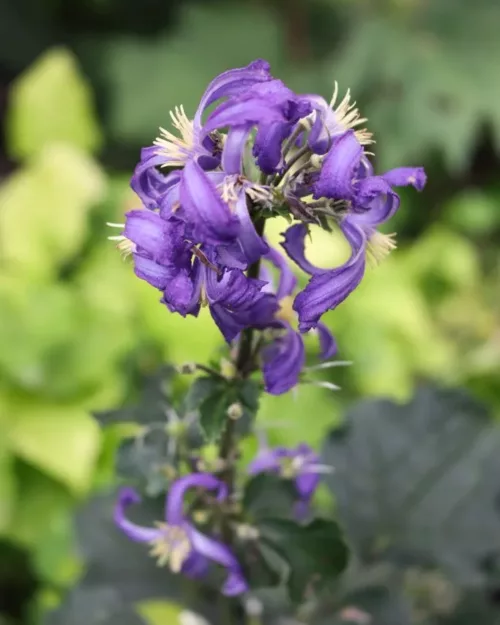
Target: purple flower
{"x":190,"y":276}
{"x":346,"y":176}
{"x":191,"y":142}
{"x":176,"y":541}
{"x":301,"y":464}
{"x":284,"y":357}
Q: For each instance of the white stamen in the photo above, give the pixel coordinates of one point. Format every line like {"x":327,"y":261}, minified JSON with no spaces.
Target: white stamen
{"x":172,"y":547}
{"x":379,"y":247}
{"x":176,"y":149}
{"x":349,"y":117}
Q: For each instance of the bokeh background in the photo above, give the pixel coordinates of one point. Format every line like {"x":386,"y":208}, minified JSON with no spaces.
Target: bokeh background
{"x":83,"y":85}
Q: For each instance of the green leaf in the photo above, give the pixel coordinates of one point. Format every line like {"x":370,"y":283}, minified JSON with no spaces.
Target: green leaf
{"x":160,"y":612}
{"x":45,"y":208}
{"x":269,"y":496}
{"x":316,"y":552}
{"x":377,"y":605}
{"x":409,"y":481}
{"x":51,"y":102}
{"x":152,"y":405}
{"x":62,"y":441}
{"x":213,"y":396}
{"x":427,"y":81}
{"x":146,"y":461}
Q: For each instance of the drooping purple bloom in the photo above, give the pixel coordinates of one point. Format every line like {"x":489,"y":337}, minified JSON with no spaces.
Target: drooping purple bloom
{"x":300,"y":464}
{"x":283,"y":358}
{"x":346,"y":175}
{"x":176,"y":541}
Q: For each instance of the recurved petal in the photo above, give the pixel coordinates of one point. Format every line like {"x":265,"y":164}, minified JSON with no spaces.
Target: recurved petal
{"x":210,"y":215}
{"x":294,"y":246}
{"x":283,"y":360}
{"x":287,"y":279}
{"x":216,"y":551}
{"x":327,"y":342}
{"x":252,"y":245}
{"x":138,"y":533}
{"x":326,"y":290}
{"x":232,"y":82}
{"x":174,"y":509}
{"x":336,"y":179}
{"x":404,"y":176}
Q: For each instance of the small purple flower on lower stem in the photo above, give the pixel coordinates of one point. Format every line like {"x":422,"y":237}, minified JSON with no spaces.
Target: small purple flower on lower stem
{"x":300,"y":464}
{"x":176,"y":542}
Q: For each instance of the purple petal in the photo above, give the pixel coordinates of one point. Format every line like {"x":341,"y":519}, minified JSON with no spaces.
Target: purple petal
{"x":306,"y":485}
{"x":376,"y":202}
{"x":150,"y":184}
{"x":326,"y":290}
{"x":126,"y":498}
{"x":287,"y":279}
{"x":174,"y":510}
{"x":252,"y":245}
{"x":283,"y":362}
{"x":150,"y":233}
{"x":294,"y":245}
{"x":268,"y":144}
{"x":266,"y":460}
{"x":216,"y":551}
{"x":327,"y":342}
{"x":181,"y":294}
{"x":232,"y":155}
{"x":153,"y":273}
{"x":404,"y":176}
{"x":229,"y":324}
{"x":203,"y":206}
{"x":232,"y":82}
{"x":336,"y":179}
{"x":196,"y":566}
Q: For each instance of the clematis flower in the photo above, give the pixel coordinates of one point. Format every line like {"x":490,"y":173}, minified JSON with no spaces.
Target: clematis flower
{"x":284,"y":357}
{"x":189,"y":141}
{"x":176,"y":541}
{"x":300,"y":464}
{"x":191,"y":276}
{"x":370,"y":201}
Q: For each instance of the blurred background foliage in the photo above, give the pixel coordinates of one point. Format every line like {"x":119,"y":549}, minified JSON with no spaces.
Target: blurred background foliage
{"x":83,"y":85}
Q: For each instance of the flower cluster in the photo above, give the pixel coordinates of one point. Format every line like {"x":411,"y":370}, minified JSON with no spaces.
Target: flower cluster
{"x":207,"y":190}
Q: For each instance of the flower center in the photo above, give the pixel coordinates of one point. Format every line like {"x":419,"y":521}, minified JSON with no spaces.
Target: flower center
{"x":379,"y":246}
{"x":176,"y":149}
{"x":173,"y":547}
{"x":291,"y":467}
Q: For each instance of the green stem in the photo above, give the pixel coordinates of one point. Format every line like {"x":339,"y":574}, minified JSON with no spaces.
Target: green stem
{"x":244,"y":366}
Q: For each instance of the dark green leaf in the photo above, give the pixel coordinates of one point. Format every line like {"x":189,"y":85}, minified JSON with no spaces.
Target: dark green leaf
{"x":377,"y":605}
{"x":152,"y":405}
{"x":267,"y":495}
{"x":315,"y":552}
{"x":409,"y":481}
{"x":213,"y":396}
{"x":146,"y":460}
